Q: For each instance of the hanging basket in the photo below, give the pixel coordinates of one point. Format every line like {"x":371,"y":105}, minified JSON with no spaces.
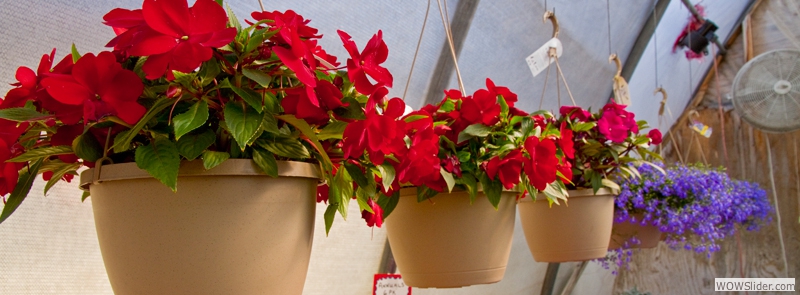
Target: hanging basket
{"x":447,"y":242}
{"x":228,"y":230}
{"x":648,"y":235}
{"x":576,"y":231}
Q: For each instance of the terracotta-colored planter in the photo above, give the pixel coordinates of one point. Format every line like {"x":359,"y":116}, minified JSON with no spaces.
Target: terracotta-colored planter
{"x":447,"y":242}
{"x":577,"y":231}
{"x":648,"y":235}
{"x":228,"y":230}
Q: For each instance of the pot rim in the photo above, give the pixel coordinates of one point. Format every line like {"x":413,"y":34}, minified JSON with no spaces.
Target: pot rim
{"x":577,"y":193}
{"x":241,"y":167}
{"x":412,"y":191}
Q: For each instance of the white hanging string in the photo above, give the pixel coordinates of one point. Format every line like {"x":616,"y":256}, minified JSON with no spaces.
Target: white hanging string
{"x":777,"y":209}
{"x":416,"y":52}
{"x":449,"y":34}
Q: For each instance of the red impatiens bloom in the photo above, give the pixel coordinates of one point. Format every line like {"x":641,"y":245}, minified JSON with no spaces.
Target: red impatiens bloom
{"x":298,"y":103}
{"x":565,"y":167}
{"x":375,"y":218}
{"x":378,"y":134}
{"x":540,"y":165}
{"x":565,"y":142}
{"x":173,"y":36}
{"x":101,"y":86}
{"x":422,"y":165}
{"x":9,"y":172}
{"x":575,"y":113}
{"x":616,"y":123}
{"x":482,"y":107}
{"x":292,"y":50}
{"x":509,"y":168}
{"x":323,"y":193}
{"x":367,"y":62}
{"x":655,"y":136}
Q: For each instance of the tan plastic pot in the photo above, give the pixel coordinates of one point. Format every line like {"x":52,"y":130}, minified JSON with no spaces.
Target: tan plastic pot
{"x":447,"y":242}
{"x":577,"y":231}
{"x":648,"y":235}
{"x":228,"y":230}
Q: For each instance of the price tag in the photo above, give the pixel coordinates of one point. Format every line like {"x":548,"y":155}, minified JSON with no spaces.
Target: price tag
{"x":540,"y":59}
{"x":701,"y":128}
{"x":390,"y":284}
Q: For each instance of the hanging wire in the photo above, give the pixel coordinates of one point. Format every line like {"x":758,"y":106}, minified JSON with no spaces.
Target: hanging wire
{"x":608,"y":17}
{"x":777,"y":209}
{"x":655,"y":38}
{"x":416,"y":52}
{"x":261,"y":4}
{"x":445,"y":23}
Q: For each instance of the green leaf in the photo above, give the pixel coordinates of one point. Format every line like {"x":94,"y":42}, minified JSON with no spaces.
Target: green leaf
{"x":243,"y":122}
{"x":330,"y":213}
{"x":232,"y":20}
{"x":492,"y":189}
{"x":251,"y":97}
{"x":388,"y":175}
{"x":24,"y":184}
{"x":192,"y":146}
{"x":257,"y":76}
{"x":212,"y":159}
{"x":424,"y":193}
{"x":361,"y":197}
{"x":471,"y":184}
{"x":583,"y":126}
{"x":309,"y":133}
{"x":356,"y":173}
{"x":209,"y":71}
{"x":388,"y":203}
{"x":526,"y":126}
{"x":334,"y":130}
{"x":610,"y":184}
{"x":161,"y":159}
{"x":448,"y":178}
{"x":597,"y":182}
{"x":343,"y":186}
{"x":196,"y":116}
{"x":413,"y":118}
{"x":41,"y":153}
{"x":255,"y":40}
{"x":87,"y":147}
{"x":285,"y":147}
{"x":474,"y":130}
{"x":185,"y":79}
{"x":269,"y":123}
{"x":448,"y":105}
{"x":84,"y":196}
{"x":23,"y":115}
{"x":123,"y":144}
{"x":266,"y":162}
{"x":75,"y":55}
{"x":59,"y":172}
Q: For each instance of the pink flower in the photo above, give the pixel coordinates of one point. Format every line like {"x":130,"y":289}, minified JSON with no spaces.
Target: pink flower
{"x":655,"y":136}
{"x":575,"y":113}
{"x":375,"y":218}
{"x":615,"y":123}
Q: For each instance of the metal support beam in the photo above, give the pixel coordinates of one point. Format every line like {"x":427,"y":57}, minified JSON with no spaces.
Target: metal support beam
{"x":643,"y":39}
{"x":462,"y":18}
{"x":550,"y":278}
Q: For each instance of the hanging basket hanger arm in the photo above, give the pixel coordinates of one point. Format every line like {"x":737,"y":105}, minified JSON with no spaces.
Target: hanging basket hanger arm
{"x":615,"y":59}
{"x":552,"y":17}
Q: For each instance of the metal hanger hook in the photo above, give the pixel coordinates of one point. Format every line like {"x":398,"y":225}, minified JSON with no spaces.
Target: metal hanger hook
{"x":552,"y":16}
{"x":615,"y":58}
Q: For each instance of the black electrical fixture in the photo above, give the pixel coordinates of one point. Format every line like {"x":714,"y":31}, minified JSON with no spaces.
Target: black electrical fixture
{"x":697,"y":40}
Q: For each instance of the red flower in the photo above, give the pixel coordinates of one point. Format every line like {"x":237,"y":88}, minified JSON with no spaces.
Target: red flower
{"x":298,"y":102}
{"x":102,"y":86}
{"x":481,"y":107}
{"x":367,"y":62}
{"x":294,"y":44}
{"x":509,"y":168}
{"x":173,"y":35}
{"x":378,"y":134}
{"x":375,"y":218}
{"x":9,"y":172}
{"x":655,"y":136}
{"x":541,"y":162}
{"x":322,"y":193}
{"x":421,"y":165}
{"x":615,"y":123}
{"x":575,"y":113}
{"x":565,"y":142}
{"x":565,"y":167}
{"x":453,"y":165}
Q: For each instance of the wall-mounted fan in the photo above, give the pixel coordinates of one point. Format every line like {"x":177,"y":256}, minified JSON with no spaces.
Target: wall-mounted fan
{"x":766,"y":91}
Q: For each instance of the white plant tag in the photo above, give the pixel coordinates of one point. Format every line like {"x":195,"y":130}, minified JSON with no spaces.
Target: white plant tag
{"x":540,"y":59}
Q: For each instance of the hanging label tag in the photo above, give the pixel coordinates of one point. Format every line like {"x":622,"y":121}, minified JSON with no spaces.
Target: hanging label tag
{"x":701,"y":128}
{"x":540,"y":59}
{"x":390,"y":284}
